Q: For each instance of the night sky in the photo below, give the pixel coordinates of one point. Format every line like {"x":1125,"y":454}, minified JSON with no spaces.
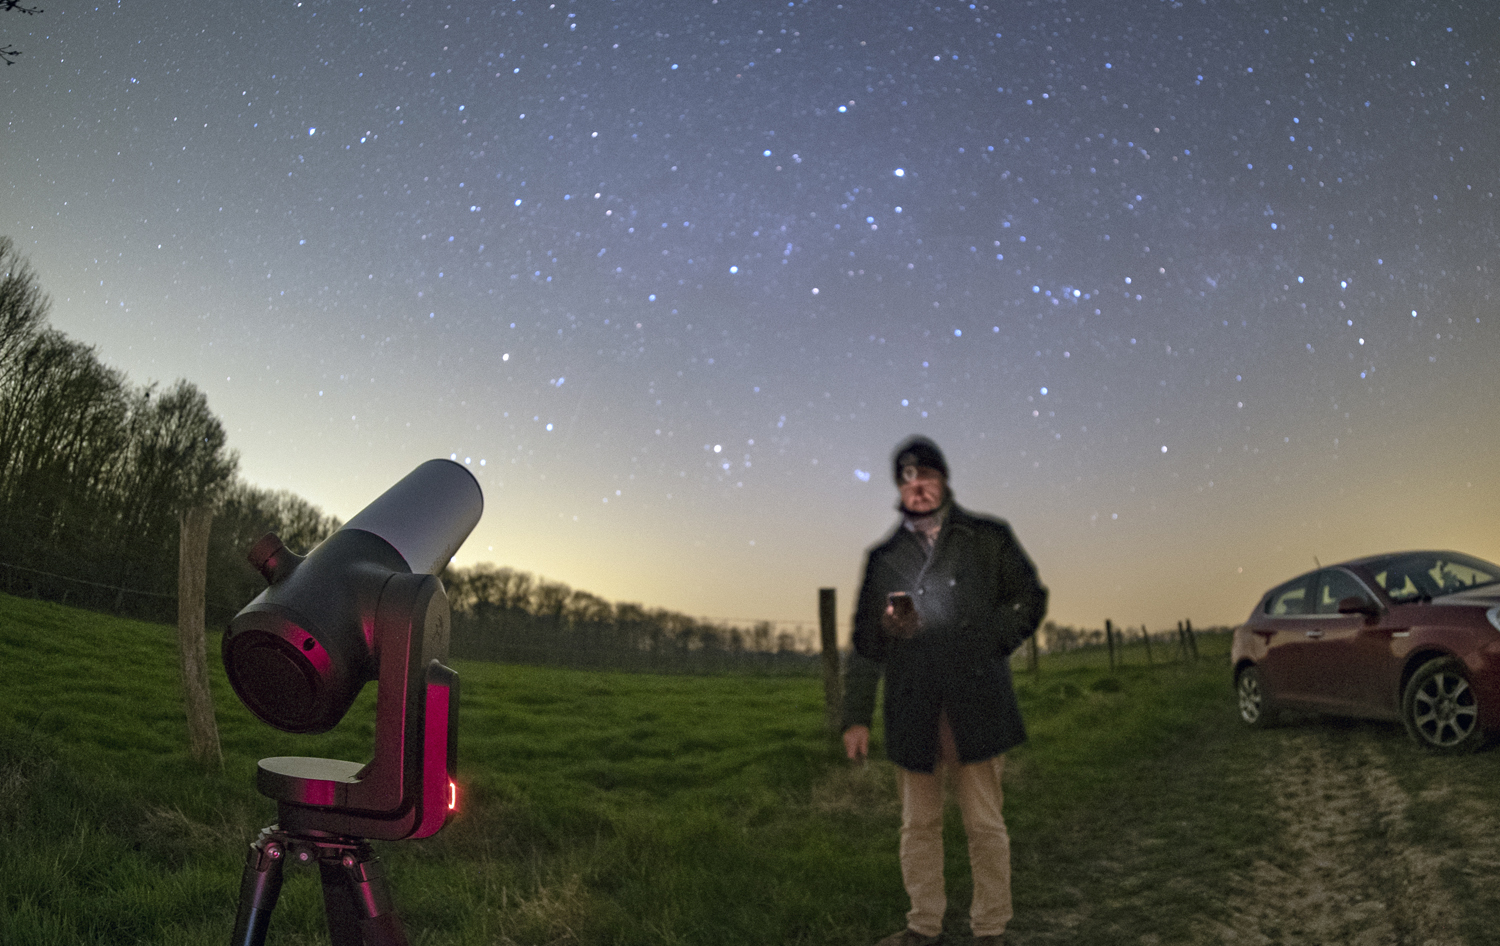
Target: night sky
{"x":1194,"y":294}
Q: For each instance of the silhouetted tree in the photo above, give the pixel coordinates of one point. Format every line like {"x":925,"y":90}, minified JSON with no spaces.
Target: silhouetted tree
{"x":8,"y":52}
{"x":95,"y":475}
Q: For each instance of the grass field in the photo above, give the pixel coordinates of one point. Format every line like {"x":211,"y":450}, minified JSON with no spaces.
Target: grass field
{"x":631,"y":809}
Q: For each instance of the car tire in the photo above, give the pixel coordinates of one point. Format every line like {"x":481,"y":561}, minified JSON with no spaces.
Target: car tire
{"x":1440,"y":709}
{"x":1257,"y":709}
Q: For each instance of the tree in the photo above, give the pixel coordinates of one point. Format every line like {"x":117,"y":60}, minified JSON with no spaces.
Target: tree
{"x":23,"y":305}
{"x":631,"y":621}
{"x":550,"y":600}
{"x":591,"y":618}
{"x":61,"y":439}
{"x":179,"y":454}
{"x":96,"y":476}
{"x":7,"y":51}
{"x":183,"y":467}
{"x":761,"y":635}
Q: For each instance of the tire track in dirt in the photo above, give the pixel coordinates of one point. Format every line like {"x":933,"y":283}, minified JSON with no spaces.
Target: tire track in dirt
{"x":1347,"y":866}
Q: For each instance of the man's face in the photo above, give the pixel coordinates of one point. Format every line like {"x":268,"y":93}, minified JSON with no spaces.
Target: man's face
{"x":921,"y":489}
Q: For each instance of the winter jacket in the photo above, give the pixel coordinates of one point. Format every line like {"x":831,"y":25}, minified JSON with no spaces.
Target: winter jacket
{"x":978,"y":598}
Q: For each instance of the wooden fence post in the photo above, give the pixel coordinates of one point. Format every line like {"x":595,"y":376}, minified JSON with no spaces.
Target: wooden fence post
{"x":833,"y":696}
{"x":1191,"y":640}
{"x":192,"y":579}
{"x":1109,"y":641}
{"x":1146,"y":636}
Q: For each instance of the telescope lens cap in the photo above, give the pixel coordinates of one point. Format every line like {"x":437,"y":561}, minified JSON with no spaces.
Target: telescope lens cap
{"x":278,"y":684}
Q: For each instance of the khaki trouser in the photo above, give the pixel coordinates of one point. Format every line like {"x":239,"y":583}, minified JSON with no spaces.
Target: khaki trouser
{"x":977,"y":788}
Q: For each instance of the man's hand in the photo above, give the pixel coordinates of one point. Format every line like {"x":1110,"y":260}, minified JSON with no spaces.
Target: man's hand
{"x":900,"y":618}
{"x":857,"y":742}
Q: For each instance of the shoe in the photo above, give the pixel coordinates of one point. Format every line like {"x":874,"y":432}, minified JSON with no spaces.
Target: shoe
{"x":910,"y":937}
{"x":993,"y":939}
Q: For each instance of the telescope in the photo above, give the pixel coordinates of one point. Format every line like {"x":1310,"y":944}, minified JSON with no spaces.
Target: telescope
{"x":364,"y":605}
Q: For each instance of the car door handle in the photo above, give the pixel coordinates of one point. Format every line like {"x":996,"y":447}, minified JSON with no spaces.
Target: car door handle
{"x":1315,"y":634}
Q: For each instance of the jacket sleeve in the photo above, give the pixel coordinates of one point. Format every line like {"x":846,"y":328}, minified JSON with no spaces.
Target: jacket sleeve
{"x":1023,"y":599}
{"x":869,"y":638}
{"x":861,"y":679}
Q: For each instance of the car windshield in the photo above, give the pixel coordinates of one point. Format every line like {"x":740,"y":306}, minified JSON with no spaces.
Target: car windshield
{"x":1425,"y":575}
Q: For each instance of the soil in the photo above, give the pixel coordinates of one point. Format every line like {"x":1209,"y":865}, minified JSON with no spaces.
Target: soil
{"x":1323,"y":832}
{"x":1349,"y":864}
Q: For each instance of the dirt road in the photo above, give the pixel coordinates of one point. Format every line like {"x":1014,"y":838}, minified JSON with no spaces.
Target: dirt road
{"x":1323,"y":832}
{"x":1357,"y":858}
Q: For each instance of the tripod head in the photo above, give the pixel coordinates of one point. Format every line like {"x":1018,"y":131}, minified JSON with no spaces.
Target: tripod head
{"x":364,"y":605}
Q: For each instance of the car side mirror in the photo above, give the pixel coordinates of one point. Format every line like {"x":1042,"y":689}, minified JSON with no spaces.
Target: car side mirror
{"x":1354,"y":604}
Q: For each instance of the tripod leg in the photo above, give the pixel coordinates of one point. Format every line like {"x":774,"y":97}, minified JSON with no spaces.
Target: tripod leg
{"x":260,"y":886}
{"x":357,"y":901}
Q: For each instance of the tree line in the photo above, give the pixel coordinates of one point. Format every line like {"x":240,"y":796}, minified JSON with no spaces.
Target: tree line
{"x":504,"y":614}
{"x":96,"y":473}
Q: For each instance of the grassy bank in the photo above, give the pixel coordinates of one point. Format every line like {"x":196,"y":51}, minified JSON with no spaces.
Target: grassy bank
{"x":596,"y":807}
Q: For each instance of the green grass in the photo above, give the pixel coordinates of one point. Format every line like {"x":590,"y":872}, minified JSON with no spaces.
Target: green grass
{"x":598,"y":807}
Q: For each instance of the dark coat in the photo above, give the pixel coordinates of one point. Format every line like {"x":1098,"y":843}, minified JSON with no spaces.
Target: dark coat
{"x":978,"y":599}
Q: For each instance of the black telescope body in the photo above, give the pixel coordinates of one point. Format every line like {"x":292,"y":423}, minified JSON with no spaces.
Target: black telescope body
{"x":364,"y":605}
{"x":299,"y":654}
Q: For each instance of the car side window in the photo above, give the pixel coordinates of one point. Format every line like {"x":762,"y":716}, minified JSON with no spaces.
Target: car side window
{"x":1335,"y":585}
{"x":1288,"y":600}
{"x":1456,"y":576}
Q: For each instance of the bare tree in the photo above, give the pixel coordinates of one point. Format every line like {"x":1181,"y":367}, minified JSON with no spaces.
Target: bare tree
{"x":96,"y":477}
{"x":550,"y":600}
{"x":23,"y":306}
{"x":61,"y":434}
{"x":183,"y":465}
{"x":630,"y":626}
{"x":8,"y":52}
{"x":516,"y":593}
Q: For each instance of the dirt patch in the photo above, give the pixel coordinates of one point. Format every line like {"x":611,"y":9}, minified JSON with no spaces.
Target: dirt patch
{"x":1347,"y":866}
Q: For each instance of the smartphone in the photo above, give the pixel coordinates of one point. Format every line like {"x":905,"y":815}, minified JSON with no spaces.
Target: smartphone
{"x":900,"y":603}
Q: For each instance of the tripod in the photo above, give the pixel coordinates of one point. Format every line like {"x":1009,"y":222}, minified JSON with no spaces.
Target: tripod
{"x":356,"y":899}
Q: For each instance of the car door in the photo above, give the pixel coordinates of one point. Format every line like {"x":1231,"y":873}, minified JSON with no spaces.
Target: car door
{"x":1350,"y":656}
{"x":1378,"y":652}
{"x":1289,"y":668}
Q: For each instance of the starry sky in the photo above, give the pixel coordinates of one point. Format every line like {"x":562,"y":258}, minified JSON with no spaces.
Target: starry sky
{"x":1194,"y":294}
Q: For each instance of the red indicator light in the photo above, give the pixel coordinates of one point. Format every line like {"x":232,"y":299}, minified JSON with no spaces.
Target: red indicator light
{"x":452,"y":796}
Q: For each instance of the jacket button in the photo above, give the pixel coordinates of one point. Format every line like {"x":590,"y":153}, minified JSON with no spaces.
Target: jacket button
{"x":920,"y":590}
{"x":952,"y":582}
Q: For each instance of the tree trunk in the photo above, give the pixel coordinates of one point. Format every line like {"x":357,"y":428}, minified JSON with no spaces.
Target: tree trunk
{"x":192,"y":576}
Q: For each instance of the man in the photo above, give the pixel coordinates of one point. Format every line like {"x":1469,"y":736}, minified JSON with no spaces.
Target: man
{"x":947,"y":598}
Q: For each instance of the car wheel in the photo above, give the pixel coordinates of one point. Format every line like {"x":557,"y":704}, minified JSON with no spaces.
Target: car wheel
{"x":1439,"y":708}
{"x":1256,"y":707}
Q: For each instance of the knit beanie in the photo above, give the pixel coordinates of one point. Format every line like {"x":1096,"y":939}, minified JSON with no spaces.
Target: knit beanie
{"x":921,"y":452}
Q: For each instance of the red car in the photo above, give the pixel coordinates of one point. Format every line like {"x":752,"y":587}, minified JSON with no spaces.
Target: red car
{"x":1413,"y":636}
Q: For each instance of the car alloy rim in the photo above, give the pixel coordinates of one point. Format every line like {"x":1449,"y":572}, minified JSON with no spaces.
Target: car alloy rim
{"x":1249,"y":699}
{"x":1443,"y":709}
